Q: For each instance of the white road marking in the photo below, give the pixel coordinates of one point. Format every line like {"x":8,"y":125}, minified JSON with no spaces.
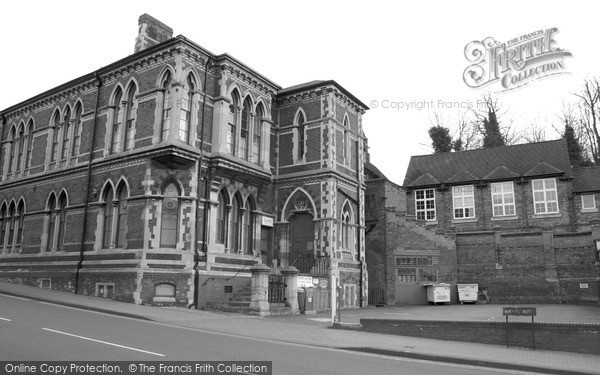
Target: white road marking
{"x":103,"y":342}
{"x":8,"y":320}
{"x":15,"y":297}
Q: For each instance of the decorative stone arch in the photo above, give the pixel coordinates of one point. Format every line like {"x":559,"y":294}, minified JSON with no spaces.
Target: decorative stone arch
{"x":51,"y":195}
{"x":266,"y":108}
{"x":103,"y":190}
{"x":191,"y":71}
{"x":163,"y":74}
{"x":297,"y":115}
{"x":122,"y":181}
{"x":231,"y":89}
{"x":290,"y":207}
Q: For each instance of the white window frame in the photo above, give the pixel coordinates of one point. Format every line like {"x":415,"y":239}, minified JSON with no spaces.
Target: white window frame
{"x":503,"y":194}
{"x":583,"y":206}
{"x":545,"y":191}
{"x":425,"y":200}
{"x":461,"y":194}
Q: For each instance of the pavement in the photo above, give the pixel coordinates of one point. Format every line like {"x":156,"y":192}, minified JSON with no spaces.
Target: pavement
{"x":313,"y":330}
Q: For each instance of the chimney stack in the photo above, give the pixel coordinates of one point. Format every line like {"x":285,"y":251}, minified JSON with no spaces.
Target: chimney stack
{"x":151,"y":32}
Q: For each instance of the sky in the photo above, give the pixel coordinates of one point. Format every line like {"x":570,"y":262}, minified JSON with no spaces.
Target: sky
{"x":405,"y":61}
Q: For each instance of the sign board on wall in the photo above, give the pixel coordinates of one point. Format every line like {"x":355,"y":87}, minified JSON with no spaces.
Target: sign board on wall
{"x":305,"y":282}
{"x":267,"y":221}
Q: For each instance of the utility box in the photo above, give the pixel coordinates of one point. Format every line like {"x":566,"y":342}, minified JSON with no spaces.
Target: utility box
{"x":467,"y":292}
{"x":438,"y":293}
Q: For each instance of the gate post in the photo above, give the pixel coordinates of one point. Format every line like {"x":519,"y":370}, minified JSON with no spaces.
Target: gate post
{"x":290,"y":278}
{"x":259,"y":304}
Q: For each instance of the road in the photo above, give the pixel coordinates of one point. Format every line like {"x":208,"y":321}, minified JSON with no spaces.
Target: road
{"x":32,"y":330}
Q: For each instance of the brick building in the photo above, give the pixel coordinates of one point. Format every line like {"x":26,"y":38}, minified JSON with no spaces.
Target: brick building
{"x":524,"y":222}
{"x":162,"y":177}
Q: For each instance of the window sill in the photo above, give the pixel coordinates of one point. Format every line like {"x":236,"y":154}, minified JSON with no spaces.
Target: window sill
{"x":588,"y":210}
{"x":465,"y":220}
{"x":502,"y":218}
{"x":431,"y":222}
{"x":547,"y":216}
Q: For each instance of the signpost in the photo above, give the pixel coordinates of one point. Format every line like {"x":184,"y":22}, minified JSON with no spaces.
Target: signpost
{"x":520,"y":311}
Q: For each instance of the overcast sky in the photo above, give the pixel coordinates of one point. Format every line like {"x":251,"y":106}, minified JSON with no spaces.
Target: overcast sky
{"x":382,"y":52}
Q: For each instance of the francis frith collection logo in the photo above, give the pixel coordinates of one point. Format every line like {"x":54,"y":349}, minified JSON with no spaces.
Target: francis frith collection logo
{"x":515,"y":63}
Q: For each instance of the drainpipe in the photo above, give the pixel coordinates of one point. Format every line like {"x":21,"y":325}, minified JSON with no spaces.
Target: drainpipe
{"x":198,"y":192}
{"x":88,"y":183}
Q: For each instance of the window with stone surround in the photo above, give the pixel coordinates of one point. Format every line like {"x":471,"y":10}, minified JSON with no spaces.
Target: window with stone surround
{"x":29,"y":143}
{"x":232,"y":124}
{"x":463,"y":201}
{"x":187,"y":105}
{"x":76,"y":130}
{"x":117,"y":123}
{"x":130,"y":116}
{"x":425,"y":204}
{"x":167,"y":103}
{"x":299,"y":121}
{"x":170,"y":216}
{"x":64,"y":153}
{"x":588,"y":202}
{"x":545,"y":197}
{"x":221,"y":217}
{"x":55,"y":136}
{"x":503,"y":199}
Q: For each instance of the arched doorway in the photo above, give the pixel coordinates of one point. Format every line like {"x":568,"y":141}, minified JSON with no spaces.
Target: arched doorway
{"x":301,"y":236}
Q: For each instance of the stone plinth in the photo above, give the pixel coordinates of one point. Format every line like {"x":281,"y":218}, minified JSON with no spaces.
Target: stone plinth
{"x":290,"y":276}
{"x":259,"y":304}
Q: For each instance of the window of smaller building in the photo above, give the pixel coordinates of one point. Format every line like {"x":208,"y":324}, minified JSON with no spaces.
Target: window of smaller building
{"x":463,"y":201}
{"x":588,"y":202}
{"x":425,"y":204}
{"x":415,"y":269}
{"x":503,"y":199}
{"x":545,"y":198}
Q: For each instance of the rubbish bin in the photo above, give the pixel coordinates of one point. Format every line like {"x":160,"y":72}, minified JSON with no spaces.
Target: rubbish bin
{"x":438,"y":293}
{"x":467,"y":292}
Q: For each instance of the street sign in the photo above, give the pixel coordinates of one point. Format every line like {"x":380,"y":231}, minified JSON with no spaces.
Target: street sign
{"x":519,"y":311}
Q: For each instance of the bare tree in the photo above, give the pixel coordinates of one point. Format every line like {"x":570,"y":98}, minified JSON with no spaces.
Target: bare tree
{"x":584,"y":119}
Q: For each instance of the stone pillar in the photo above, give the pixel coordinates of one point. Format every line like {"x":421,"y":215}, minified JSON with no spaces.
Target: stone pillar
{"x":290,"y":277}
{"x":259,"y":304}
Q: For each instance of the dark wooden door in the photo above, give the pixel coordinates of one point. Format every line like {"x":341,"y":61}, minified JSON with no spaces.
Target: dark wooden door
{"x":301,"y":236}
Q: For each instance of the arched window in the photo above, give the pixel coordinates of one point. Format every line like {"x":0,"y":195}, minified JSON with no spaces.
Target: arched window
{"x":234,"y":224}
{"x":65,"y":136}
{"x":51,"y":222}
{"x":300,"y":122}
{"x":248,"y":230}
{"x":121,"y":213}
{"x":29,"y":144}
{"x":3,"y":221}
{"x":185,"y":113}
{"x":166,"y":107}
{"x":62,"y":221}
{"x":55,"y":137}
{"x":11,"y":226}
{"x":245,"y":133}
{"x":170,"y":216}
{"x":346,"y":141}
{"x":76,"y":130}
{"x":21,"y":145}
{"x":346,"y":232}
{"x":13,"y":149}
{"x":21,"y":214}
{"x":108,"y":199}
{"x":221,"y":217}
{"x":233,"y":120}
{"x":130,"y":113}
{"x":257,"y":133}
{"x":117,"y":121}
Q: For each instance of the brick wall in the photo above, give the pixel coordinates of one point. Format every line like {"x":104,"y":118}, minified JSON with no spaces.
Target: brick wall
{"x":570,"y":337}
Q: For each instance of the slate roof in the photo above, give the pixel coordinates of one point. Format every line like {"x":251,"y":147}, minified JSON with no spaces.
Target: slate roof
{"x":586,"y":179}
{"x":373,"y":172}
{"x":549,"y":158}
